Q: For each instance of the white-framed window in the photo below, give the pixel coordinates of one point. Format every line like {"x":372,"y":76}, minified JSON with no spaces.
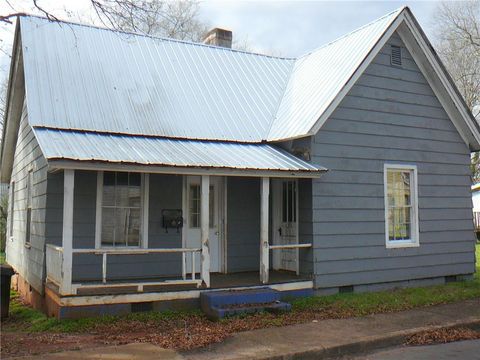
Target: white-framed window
{"x":121,"y":202}
{"x":12,"y":209}
{"x":401,"y":205}
{"x":195,"y":208}
{"x":28,"y":214}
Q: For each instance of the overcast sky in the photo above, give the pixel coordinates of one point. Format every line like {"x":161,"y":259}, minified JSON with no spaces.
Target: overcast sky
{"x":287,"y":28}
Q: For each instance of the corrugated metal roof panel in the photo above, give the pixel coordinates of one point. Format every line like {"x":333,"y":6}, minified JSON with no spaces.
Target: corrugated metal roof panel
{"x":81,"y":77}
{"x":85,"y":146}
{"x":318,"y":77}
{"x":86,"y":78}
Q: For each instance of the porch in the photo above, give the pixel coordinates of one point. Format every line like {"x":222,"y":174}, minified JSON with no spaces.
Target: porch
{"x":250,"y":237}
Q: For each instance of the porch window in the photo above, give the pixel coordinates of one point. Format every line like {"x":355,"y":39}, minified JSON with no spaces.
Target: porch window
{"x":401,"y":206}
{"x":195,"y":206}
{"x":121,"y":209}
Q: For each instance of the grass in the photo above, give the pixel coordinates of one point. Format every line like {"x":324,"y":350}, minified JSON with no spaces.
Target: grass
{"x":26,"y":319}
{"x":2,"y":258}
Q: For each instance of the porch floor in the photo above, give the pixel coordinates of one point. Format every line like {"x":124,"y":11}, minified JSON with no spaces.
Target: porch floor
{"x":217,"y":281}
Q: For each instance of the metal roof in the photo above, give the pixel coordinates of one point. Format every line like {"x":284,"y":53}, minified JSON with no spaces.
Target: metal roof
{"x":318,"y":77}
{"x":87,"y":78}
{"x":127,"y":149}
{"x":82,"y":77}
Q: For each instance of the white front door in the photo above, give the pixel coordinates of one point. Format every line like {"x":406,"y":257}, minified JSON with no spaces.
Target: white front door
{"x":192,"y":221}
{"x":285,"y":231}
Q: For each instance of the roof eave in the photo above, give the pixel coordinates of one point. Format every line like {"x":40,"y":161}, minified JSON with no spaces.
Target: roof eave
{"x":55,"y":164}
{"x":8,"y":133}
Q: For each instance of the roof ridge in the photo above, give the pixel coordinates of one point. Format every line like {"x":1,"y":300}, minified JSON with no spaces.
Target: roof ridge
{"x":186,"y":42}
{"x":399,"y":10}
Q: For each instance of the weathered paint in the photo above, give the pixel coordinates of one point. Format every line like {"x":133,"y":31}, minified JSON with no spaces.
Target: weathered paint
{"x":392,"y":115}
{"x":28,"y":259}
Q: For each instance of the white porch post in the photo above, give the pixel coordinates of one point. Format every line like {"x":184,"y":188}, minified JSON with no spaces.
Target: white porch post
{"x":264,"y":245}
{"x":67,"y":232}
{"x":204,"y":225}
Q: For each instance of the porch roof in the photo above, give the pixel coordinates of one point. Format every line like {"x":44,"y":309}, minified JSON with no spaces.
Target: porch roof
{"x":81,"y":149}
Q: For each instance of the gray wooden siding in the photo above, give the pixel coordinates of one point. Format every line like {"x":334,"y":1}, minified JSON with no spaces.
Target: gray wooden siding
{"x":28,"y":260}
{"x":243,"y":224}
{"x":165,"y":193}
{"x":390,"y":115}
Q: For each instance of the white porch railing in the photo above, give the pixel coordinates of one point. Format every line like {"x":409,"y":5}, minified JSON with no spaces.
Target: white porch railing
{"x":290,"y":246}
{"x":294,"y":247}
{"x":55,"y":261}
{"x":54,"y":258}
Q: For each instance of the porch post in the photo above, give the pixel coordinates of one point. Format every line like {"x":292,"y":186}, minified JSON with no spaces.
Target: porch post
{"x":67,"y":232}
{"x":204,"y":224}
{"x":264,"y":245}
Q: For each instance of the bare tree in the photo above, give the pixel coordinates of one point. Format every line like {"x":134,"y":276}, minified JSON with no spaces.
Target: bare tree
{"x":173,"y":19}
{"x":458,"y":44}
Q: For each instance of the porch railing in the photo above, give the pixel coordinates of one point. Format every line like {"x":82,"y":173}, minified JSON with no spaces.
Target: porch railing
{"x":54,"y":258}
{"x":293,"y":247}
{"x":55,"y":263}
{"x":476,"y":220}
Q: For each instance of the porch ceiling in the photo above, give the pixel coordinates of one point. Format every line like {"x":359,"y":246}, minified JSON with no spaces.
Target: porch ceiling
{"x":80,"y":149}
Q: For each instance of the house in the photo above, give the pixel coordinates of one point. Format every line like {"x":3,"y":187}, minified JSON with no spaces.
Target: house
{"x":145,"y":171}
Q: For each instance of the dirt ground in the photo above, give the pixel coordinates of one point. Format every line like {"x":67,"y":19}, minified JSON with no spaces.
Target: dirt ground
{"x":190,"y":332}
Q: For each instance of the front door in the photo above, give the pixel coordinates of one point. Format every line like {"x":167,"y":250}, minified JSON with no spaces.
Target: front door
{"x":285,"y":231}
{"x":192,"y":221}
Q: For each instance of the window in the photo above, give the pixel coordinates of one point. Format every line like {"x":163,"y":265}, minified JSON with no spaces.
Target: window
{"x":195,"y":206}
{"x":401,"y":206}
{"x":28,"y":217}
{"x":121,"y":209}
{"x":289,"y":201}
{"x":12,"y":208}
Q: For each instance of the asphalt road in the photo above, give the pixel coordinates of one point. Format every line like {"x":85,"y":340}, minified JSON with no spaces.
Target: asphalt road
{"x":464,"y":350}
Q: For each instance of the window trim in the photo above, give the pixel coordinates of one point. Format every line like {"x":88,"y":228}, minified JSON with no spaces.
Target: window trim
{"x":28,"y":208}
{"x":144,"y":193}
{"x":415,"y":241}
{"x":12,"y":210}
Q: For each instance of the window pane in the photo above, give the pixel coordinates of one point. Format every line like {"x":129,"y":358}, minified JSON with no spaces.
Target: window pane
{"x":391,"y":225}
{"x":194,"y":206}
{"x":211,"y":209}
{"x":399,"y":203}
{"x":108,"y":226}
{"x":108,"y":178}
{"x":122,"y":178}
{"x":121,"y":219}
{"x":121,"y":226}
{"x":294,"y":204}
{"x":108,"y":195}
{"x":121,"y":195}
{"x":134,"y":179}
{"x":290,"y":201}
{"x":134,"y":196}
{"x":133,"y":227}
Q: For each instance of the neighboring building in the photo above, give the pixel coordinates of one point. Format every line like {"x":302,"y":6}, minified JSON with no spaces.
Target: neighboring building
{"x":476,"y":206}
{"x":147,"y":170}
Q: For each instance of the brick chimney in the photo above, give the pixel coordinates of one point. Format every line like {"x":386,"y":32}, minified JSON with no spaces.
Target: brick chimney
{"x":219,"y":37}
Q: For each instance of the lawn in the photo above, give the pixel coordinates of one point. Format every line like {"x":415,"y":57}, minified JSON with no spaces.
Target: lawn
{"x":190,"y":329}
{"x":2,"y":258}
